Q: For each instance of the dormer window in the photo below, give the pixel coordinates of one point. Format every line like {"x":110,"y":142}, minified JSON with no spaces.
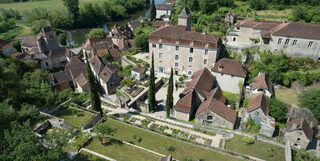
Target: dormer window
{"x":221,"y":66}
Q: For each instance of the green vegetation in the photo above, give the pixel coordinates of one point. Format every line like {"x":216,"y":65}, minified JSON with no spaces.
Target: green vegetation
{"x":302,"y":155}
{"x":287,"y":95}
{"x":231,"y":98}
{"x":278,"y":109}
{"x":257,"y":149}
{"x":120,"y":151}
{"x":169,"y":100}
{"x":153,"y":12}
{"x":156,"y":143}
{"x":62,"y":38}
{"x":310,"y":99}
{"x":74,"y":117}
{"x":141,"y":36}
{"x":152,"y":89}
{"x":98,"y":33}
{"x":85,"y":156}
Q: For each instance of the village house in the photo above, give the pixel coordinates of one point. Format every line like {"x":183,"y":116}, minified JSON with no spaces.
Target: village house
{"x":6,"y":47}
{"x":73,"y":77}
{"x":138,"y":73}
{"x":105,"y":74}
{"x":262,"y":84}
{"x":230,"y":74}
{"x":182,"y":48}
{"x":45,"y":49}
{"x":299,"y":133}
{"x":122,"y":36}
{"x":294,"y":38}
{"x":196,"y":91}
{"x":213,"y":112}
{"x":258,"y":107}
{"x":163,"y":11}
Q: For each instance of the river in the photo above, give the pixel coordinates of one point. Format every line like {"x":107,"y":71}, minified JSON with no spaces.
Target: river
{"x":78,"y":36}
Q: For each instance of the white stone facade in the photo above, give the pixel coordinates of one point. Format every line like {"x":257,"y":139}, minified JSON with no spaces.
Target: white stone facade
{"x":161,"y":13}
{"x":181,"y":115}
{"x":229,"y":83}
{"x":183,"y":59}
{"x":297,"y":139}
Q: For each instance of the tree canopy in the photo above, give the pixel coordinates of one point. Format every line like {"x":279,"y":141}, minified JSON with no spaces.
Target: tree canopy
{"x":311,"y":99}
{"x":98,"y":33}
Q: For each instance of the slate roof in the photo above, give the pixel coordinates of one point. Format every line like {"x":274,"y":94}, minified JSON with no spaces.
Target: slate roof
{"x":180,"y":36}
{"x":258,"y":101}
{"x":163,"y":6}
{"x":185,"y":13}
{"x":29,"y":42}
{"x":231,"y":67}
{"x":262,"y":81}
{"x":57,"y":53}
{"x":81,"y":80}
{"x":218,"y":108}
{"x":300,"y":124}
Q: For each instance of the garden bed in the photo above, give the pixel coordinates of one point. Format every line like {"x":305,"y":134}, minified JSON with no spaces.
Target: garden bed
{"x":74,"y":117}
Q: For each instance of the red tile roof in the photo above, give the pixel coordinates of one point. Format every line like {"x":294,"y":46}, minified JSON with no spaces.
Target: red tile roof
{"x":262,"y":81}
{"x":186,"y":102}
{"x":258,"y":101}
{"x":139,"y":69}
{"x":300,"y":124}
{"x":231,"y":67}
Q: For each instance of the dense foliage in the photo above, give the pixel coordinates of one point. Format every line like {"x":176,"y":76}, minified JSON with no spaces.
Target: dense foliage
{"x":169,"y":100}
{"x":98,"y":33}
{"x":311,"y":99}
{"x":141,"y":35}
{"x":278,"y":110}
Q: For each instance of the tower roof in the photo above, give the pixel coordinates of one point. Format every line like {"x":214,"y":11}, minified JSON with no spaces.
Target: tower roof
{"x":185,"y":13}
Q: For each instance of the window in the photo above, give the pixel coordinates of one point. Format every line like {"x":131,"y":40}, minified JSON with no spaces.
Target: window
{"x":209,"y":117}
{"x":294,"y":42}
{"x":190,"y":59}
{"x":177,"y":48}
{"x":177,"y":57}
{"x":176,"y":65}
{"x":205,"y":61}
{"x":154,"y":45}
{"x":287,"y":42}
{"x":47,"y":64}
{"x":310,"y":44}
{"x":234,"y":39}
{"x":191,"y":50}
{"x":206,"y":52}
{"x":160,"y":46}
{"x":298,"y":139}
{"x":160,"y":55}
{"x":189,"y":72}
{"x":279,"y":41}
{"x":256,"y":113}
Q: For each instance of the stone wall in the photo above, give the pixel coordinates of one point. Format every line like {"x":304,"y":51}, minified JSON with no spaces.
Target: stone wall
{"x":92,"y":122}
{"x":216,"y":120}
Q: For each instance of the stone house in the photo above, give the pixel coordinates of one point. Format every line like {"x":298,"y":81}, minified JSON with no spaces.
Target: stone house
{"x":181,"y":48}
{"x":299,"y":133}
{"x":295,"y":39}
{"x":267,"y":126}
{"x":257,"y":107}
{"x":213,"y":112}
{"x":262,"y":84}
{"x":163,"y":11}
{"x":105,"y":74}
{"x":138,"y":73}
{"x":6,"y":47}
{"x":45,"y":49}
{"x":196,"y":91}
{"x":229,"y":18}
{"x":133,"y":25}
{"x":230,"y":74}
{"x":122,"y":36}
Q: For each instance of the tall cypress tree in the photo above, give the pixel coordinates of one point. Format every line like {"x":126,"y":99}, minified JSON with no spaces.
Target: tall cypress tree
{"x":169,"y":101}
{"x":94,"y":95}
{"x":153,"y":11}
{"x":152,"y":88}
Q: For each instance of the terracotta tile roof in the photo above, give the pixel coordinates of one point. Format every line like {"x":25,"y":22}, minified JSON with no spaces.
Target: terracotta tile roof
{"x":258,"y":101}
{"x":231,"y":67}
{"x":134,"y":24}
{"x":268,"y":33}
{"x":163,"y":6}
{"x":300,"y":30}
{"x":300,"y":124}
{"x":81,"y":80}
{"x":29,"y":42}
{"x":185,"y":103}
{"x":202,"y":82}
{"x":262,"y":81}
{"x":115,"y":52}
{"x":217,"y":94}
{"x":139,"y":69}
{"x":96,"y":64}
{"x":268,"y":121}
{"x":180,"y":36}
{"x":218,"y":108}
{"x":158,"y":24}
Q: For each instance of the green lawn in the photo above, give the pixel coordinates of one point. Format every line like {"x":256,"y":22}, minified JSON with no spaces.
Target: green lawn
{"x":258,"y":149}
{"x":85,"y":156}
{"x":47,"y":4}
{"x":74,"y":117}
{"x":287,"y":95}
{"x":122,"y":152}
{"x":158,"y":143}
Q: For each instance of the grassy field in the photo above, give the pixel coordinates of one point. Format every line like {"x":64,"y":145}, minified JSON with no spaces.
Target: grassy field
{"x":258,"y":149}
{"x":158,"y":143}
{"x":85,"y":156}
{"x":74,"y":117}
{"x":287,"y":95}
{"x":122,"y":152}
{"x":48,"y":4}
